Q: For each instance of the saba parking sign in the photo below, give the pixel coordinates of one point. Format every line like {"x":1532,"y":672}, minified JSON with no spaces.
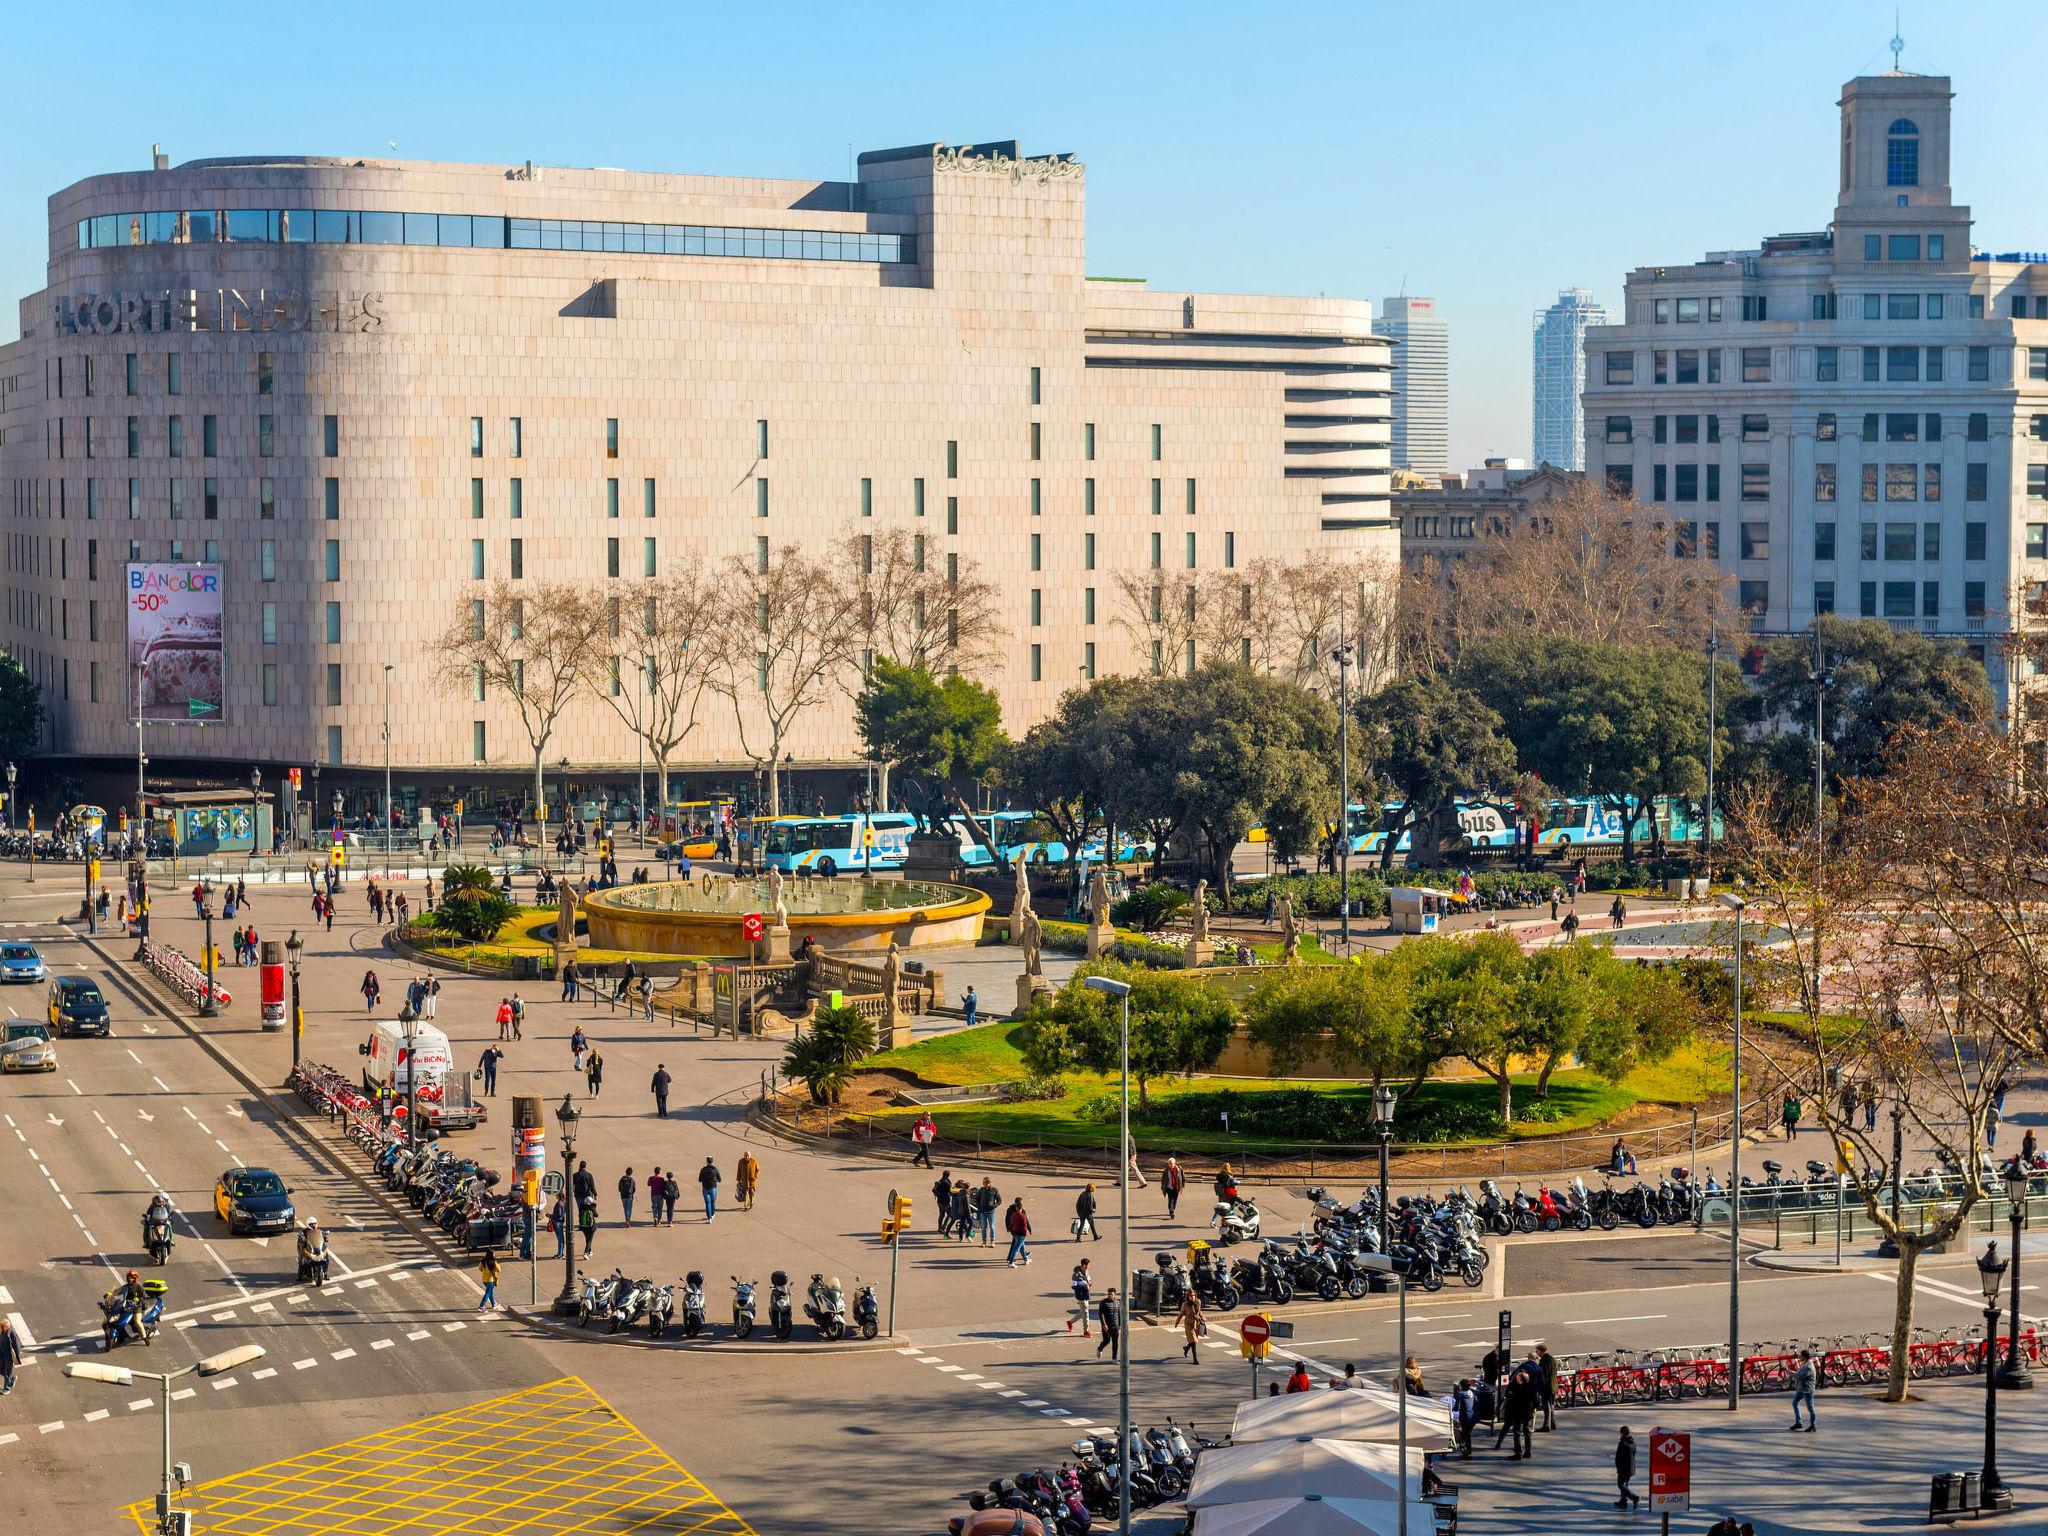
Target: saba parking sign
{"x":1670,"y":1469}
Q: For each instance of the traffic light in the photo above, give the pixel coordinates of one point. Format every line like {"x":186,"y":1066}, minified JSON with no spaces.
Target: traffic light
{"x":897,"y":1221}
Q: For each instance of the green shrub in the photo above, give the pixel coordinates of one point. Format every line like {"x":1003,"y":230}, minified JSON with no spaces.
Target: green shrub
{"x":1034,"y":1087}
{"x":1072,"y":939}
{"x":1311,"y":1114}
{"x":467,"y":877}
{"x":1150,"y":908}
{"x":474,"y":915}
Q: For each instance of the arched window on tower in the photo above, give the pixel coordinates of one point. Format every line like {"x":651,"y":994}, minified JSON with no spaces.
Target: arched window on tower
{"x":1902,"y":154}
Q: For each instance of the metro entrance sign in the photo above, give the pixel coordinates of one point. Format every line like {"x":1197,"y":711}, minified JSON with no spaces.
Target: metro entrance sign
{"x":1670,"y":1469}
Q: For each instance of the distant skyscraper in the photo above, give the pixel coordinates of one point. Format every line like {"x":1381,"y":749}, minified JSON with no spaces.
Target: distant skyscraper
{"x":1558,"y":374}
{"x":1421,"y":438}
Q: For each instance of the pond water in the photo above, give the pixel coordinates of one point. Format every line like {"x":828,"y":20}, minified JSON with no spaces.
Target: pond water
{"x":724,"y":896}
{"x":1691,"y":933}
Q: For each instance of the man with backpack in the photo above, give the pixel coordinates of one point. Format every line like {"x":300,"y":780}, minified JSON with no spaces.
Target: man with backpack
{"x":1018,"y":1225}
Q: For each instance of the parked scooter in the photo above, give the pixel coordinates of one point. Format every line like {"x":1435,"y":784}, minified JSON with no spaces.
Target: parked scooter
{"x":825,"y":1306}
{"x":631,"y":1305}
{"x":867,"y":1311}
{"x":693,"y":1303}
{"x":599,"y":1297}
{"x":661,"y":1306}
{"x":742,"y":1307}
{"x":781,"y":1321}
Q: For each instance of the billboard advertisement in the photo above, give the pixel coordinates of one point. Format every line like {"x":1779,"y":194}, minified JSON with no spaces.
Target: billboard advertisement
{"x":175,"y":662}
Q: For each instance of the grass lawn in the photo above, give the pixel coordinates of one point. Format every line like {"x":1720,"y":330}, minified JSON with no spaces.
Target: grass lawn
{"x":988,"y":1053}
{"x":514,"y":939}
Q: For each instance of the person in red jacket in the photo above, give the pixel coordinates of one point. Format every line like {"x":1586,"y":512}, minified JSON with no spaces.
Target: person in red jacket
{"x":1299,"y":1381}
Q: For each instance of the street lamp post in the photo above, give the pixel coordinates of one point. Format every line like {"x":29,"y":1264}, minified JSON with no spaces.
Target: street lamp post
{"x":1713,"y":717}
{"x":387,"y":768}
{"x":294,"y":946}
{"x":313,"y":807}
{"x":1342,"y":656}
{"x":122,"y":1376}
{"x":1384,"y":1263}
{"x":1992,"y":1494}
{"x":1121,"y":991}
{"x":566,"y":1116}
{"x":207,"y":1007}
{"x":1735,"y":904}
{"x":1889,"y":1248}
{"x":1383,"y":1100}
{"x":255,"y":805}
{"x":2013,"y":1376}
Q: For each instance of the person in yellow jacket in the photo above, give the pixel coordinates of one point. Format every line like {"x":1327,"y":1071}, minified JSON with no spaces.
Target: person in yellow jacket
{"x":745,"y":1178}
{"x":487,"y":1271}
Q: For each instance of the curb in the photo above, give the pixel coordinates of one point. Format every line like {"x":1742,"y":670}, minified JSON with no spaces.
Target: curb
{"x":541,"y":1318}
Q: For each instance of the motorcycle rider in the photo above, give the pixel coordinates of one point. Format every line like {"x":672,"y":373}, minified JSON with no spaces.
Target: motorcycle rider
{"x":158,"y":1215}
{"x":127,"y":1301}
{"x":312,"y":1247}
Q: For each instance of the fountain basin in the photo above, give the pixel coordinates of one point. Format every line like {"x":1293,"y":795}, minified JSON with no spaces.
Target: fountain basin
{"x":704,"y":916}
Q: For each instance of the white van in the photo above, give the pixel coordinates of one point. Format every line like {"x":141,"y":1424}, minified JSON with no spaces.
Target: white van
{"x":445,"y":1102}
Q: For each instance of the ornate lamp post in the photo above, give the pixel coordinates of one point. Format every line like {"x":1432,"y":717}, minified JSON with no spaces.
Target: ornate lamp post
{"x":567,"y":1115}
{"x":2013,"y":1376}
{"x":207,"y":1008}
{"x":1992,"y":1494}
{"x":1383,"y":1101}
{"x":311,"y":806}
{"x":255,"y":805}
{"x":294,"y":946}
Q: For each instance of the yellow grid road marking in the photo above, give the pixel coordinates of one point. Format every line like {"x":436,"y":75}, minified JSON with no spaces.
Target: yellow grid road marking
{"x":545,"y":1461}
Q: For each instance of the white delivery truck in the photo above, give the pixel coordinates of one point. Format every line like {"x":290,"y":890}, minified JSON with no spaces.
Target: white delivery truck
{"x":395,"y":1051}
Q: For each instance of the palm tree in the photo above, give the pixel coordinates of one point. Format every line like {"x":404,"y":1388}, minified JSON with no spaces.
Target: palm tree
{"x":458,"y":878}
{"x":824,"y":1060}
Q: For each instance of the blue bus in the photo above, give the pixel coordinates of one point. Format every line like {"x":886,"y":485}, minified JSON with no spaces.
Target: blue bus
{"x":828,"y":845}
{"x":1589,"y":821}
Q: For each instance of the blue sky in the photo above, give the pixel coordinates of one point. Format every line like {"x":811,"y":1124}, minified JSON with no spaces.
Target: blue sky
{"x":1488,"y":154}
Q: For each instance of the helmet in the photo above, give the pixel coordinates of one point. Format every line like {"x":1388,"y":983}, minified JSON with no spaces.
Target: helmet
{"x":311,"y":1222}
{"x":132,"y":1275}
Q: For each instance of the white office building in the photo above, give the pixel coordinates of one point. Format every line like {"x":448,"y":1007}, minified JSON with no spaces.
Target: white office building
{"x":1421,"y":439}
{"x":1557,"y":378}
{"x":1853,"y":420}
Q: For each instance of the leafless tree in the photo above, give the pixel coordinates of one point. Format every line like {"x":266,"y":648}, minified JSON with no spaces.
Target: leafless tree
{"x":529,"y":642}
{"x":664,"y":644}
{"x":1161,"y":613}
{"x":791,"y":629}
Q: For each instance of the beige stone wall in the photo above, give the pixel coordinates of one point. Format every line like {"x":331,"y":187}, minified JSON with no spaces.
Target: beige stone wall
{"x":861,"y":370}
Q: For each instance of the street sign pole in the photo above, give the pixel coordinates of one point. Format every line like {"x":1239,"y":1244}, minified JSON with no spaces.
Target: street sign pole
{"x":895,"y":1249}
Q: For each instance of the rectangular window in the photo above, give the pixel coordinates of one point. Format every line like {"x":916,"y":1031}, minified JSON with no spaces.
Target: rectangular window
{"x":330,"y":436}
{"x":760,"y":439}
{"x":761,"y":555}
{"x":1660,"y":367}
{"x":952,"y":458}
{"x":1756,"y":365}
{"x":867,"y":497}
{"x":1088,"y":440}
{"x":1688,"y":365}
{"x":2037,"y":541}
{"x":2037,"y":362}
{"x":1037,"y":440}
{"x":515,"y":437}
{"x":263,"y":373}
{"x":1755,"y":306}
{"x":1902,"y":306}
{"x":1756,"y":482}
{"x":1869,"y":482}
{"x":1685,"y":482}
{"x":1155,"y":551}
{"x":1088,"y":605}
{"x":1657,"y":483}
{"x":1930,"y":482}
{"x":1754,"y":596}
{"x":1901,"y":427}
{"x":476,"y":559}
{"x":1902,"y":365}
{"x":1903,"y":248}
{"x":647,"y":498}
{"x":92,"y":499}
{"x":1934,"y":306}
{"x":1931,"y":430}
{"x":1934,"y":244}
{"x":1873,"y":306}
{"x":1823,"y":597}
{"x":1824,"y":429}
{"x":1976,"y":306}
{"x":129,"y":374}
{"x":1975,"y":482}
{"x":1685,"y":540}
{"x":1088,"y":551}
{"x":1866,"y":547}
{"x":1930,"y":541}
{"x":1973,"y":599}
{"x":647,"y":557}
{"x":177,"y":499}
{"x":1899,"y":540}
{"x":209,"y":499}
{"x":2037,"y":482}
{"x":952,"y":514}
{"x":1756,"y":429}
{"x":611,"y":556}
{"x":515,"y":499}
{"x":1974,"y":540}
{"x":175,"y":439}
{"x":1824,"y":363}
{"x":174,"y":373}
{"x":1191,"y":552}
{"x":266,"y":500}
{"x":1714,"y":366}
{"x":476,"y":498}
{"x":1155,"y":497}
{"x":270,"y":623}
{"x":1713,"y":310}
{"x":611,"y":497}
{"x":1688,"y":311}
{"x":330,"y":499}
{"x":334,"y":623}
{"x":1756,"y":541}
{"x":1037,"y":606}
{"x":1037,"y":664}
{"x":1037,"y":553}
{"x":1686,"y":429}
{"x":1979,"y":364}
{"x":134,"y":437}
{"x":1088,"y":496}
{"x":1871,"y":359}
{"x":269,"y":682}
{"x":333,"y":682}
{"x":1898,"y":599}
{"x":1657,"y":429}
{"x":1901,"y":482}
{"x":209,"y":436}
{"x":1824,"y":482}
{"x":1036,"y":398}
{"x":1619,"y":429}
{"x":1229,"y":551}
{"x":1621,"y":479}
{"x":1156,"y":439}
{"x":761,"y":497}
{"x":917,"y":496}
{"x":1713,"y":429}
{"x":611,"y":437}
{"x":134,"y":498}
{"x":476,"y":437}
{"x":1823,"y":541}
{"x":478,"y":751}
{"x":266,"y":560}
{"x":1191,"y":498}
{"x":1662,"y":312}
{"x":1037,"y":497}
{"x":1621,"y":369}
{"x":1867,"y":600}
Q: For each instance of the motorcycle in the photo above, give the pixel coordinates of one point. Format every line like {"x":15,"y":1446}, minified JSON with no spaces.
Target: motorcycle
{"x":693,"y":1303}
{"x":1205,"y":1280}
{"x":313,"y":1267}
{"x":661,"y":1306}
{"x":867,"y":1312}
{"x":1164,"y":1465}
{"x":632,"y":1304}
{"x":121,"y":1320}
{"x":1494,"y":1213}
{"x":1597,"y":1203}
{"x":742,"y":1307}
{"x":781,"y":1322}
{"x":1235,"y":1221}
{"x":825,"y":1306}
{"x":1263,"y":1277}
{"x":156,"y":1239}
{"x":599,"y":1296}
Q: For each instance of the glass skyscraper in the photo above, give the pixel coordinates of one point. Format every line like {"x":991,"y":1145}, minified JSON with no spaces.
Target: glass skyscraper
{"x":1558,"y":377}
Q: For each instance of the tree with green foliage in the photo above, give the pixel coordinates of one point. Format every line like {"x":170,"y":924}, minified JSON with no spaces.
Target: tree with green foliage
{"x":1885,"y":681}
{"x":937,"y":728}
{"x":1178,"y":1025}
{"x":1360,"y":1014}
{"x":458,"y":878}
{"x":823,"y":1058}
{"x":1624,"y":722}
{"x":21,"y":716}
{"x":1063,"y":766}
{"x":474,"y":915}
{"x":1430,"y":742}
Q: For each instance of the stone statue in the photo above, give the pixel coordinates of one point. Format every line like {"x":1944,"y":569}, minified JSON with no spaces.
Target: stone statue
{"x":1098,"y":897}
{"x":1290,"y":931}
{"x":1201,"y":912}
{"x":775,"y":902}
{"x":892,"y":973}
{"x":1023,"y":901}
{"x":565,"y":916}
{"x":1031,"y":939}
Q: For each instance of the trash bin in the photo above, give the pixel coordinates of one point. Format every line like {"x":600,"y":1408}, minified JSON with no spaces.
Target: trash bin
{"x":1946,"y":1496}
{"x":1972,"y":1490}
{"x":526,"y":967}
{"x":1145,"y":1290}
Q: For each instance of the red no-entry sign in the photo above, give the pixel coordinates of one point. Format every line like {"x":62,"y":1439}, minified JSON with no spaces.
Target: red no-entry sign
{"x":1255,"y":1329}
{"x":1670,"y":1469}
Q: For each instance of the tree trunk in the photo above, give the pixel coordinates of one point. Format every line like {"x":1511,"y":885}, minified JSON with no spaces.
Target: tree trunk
{"x":1628,"y":833}
{"x":1543,"y":1077}
{"x":1220,"y":856}
{"x":775,"y":774}
{"x":661,"y":790}
{"x":1507,"y":1094}
{"x":540,"y":797}
{"x":1902,"y":1322}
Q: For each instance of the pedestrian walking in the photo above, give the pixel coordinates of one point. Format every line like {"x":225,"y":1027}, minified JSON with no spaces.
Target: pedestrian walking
{"x":1547,"y":1385}
{"x":1518,"y":1407}
{"x":656,"y":1187}
{"x":986,"y":1201}
{"x":1556,"y":896}
{"x":593,"y":1072}
{"x":627,"y":1189}
{"x":647,"y":998}
{"x":586,"y":1217}
{"x":569,"y":982}
{"x":1084,"y":1214}
{"x":1625,"y":1470}
{"x":558,"y":1226}
{"x":1191,"y":1324}
{"x":1464,"y":1417}
{"x":327,"y":911}
{"x":659,"y":1085}
{"x":1618,"y":912}
{"x":1570,"y":926}
{"x":1848,"y":1101}
{"x":578,"y":1044}
{"x":430,"y":995}
{"x":1083,"y":1285}
{"x":707,"y":1178}
{"x":924,"y":1133}
{"x":1869,"y":1105}
{"x":504,"y":1018}
{"x":371,"y":992}
{"x":1789,"y":1114}
{"x":10,"y":1355}
{"x":1171,"y":1182}
{"x":1109,"y":1313}
{"x":487,"y":1272}
{"x":1018,"y":1225}
{"x":1131,"y":1157}
{"x":970,"y":1005}
{"x":671,"y":1192}
{"x":518,"y":1015}
{"x":488,"y":1065}
{"x":1805,"y":1377}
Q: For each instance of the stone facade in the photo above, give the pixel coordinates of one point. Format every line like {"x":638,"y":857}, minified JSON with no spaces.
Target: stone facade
{"x":362,"y":356}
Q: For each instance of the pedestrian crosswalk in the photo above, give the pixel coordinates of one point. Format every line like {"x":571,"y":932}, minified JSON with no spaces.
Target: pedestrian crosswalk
{"x":1012,"y":1396}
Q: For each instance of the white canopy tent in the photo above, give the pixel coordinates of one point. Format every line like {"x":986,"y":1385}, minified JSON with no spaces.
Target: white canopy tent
{"x":1296,"y":1467}
{"x":1371,"y":1415}
{"x":1313,"y":1515}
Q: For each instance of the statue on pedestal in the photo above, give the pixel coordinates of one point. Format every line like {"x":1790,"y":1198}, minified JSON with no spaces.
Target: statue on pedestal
{"x":1290,"y":932}
{"x":1031,"y":939}
{"x":775,"y":902}
{"x":1201,"y":910}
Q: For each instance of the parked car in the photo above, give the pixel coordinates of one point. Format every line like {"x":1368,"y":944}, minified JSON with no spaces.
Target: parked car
{"x":253,"y":1200}
{"x":20,"y":962}
{"x":78,"y":1007}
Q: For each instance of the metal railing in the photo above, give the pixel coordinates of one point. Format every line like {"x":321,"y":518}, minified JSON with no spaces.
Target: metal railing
{"x":1814,"y":1225}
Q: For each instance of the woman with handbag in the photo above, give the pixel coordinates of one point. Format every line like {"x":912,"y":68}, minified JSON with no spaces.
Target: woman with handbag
{"x":1191,"y":1322}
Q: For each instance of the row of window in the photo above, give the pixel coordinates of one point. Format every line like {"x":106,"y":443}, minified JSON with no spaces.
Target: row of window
{"x":1902,"y":247}
{"x":327,"y":226}
{"x":1900,"y":482}
{"x":1087,"y":666}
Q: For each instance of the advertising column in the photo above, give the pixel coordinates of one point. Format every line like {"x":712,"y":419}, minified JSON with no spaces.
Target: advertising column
{"x":271,"y":984}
